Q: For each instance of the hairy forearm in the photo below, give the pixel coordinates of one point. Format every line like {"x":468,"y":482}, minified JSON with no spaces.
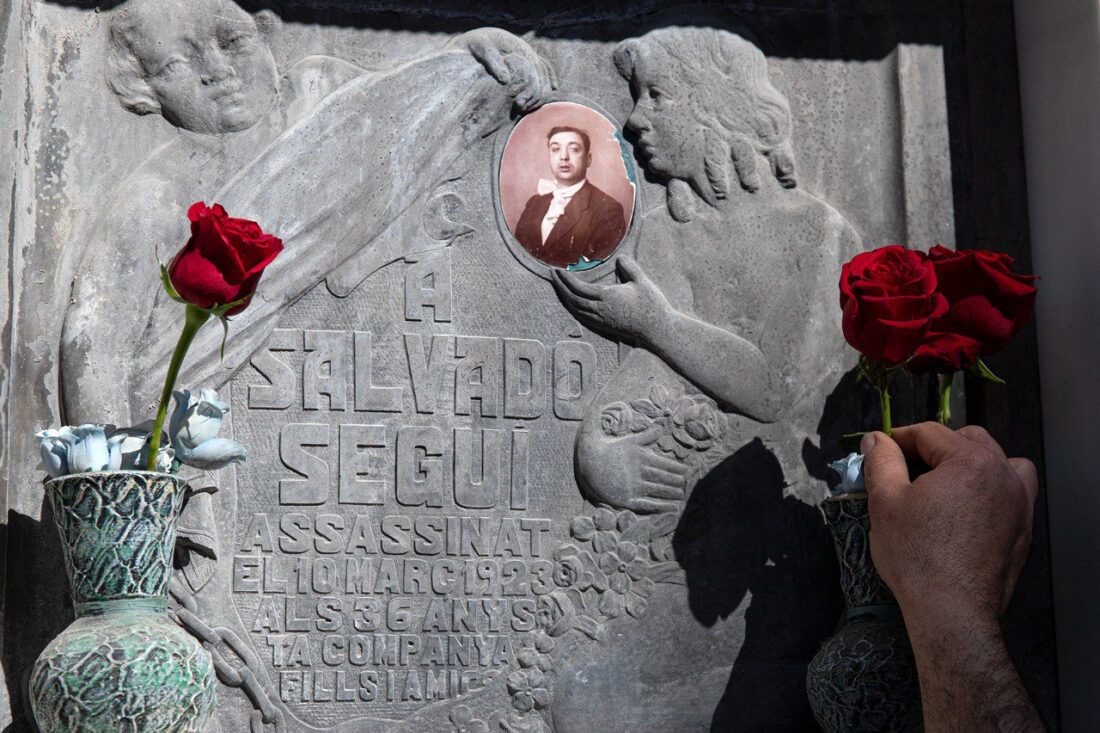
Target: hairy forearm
{"x":730,"y":369}
{"x":967,"y":680}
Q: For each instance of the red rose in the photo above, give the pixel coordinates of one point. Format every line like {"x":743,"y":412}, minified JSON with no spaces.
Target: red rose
{"x":889,"y":299}
{"x":223,"y":260}
{"x":944,"y":353}
{"x":986,"y":300}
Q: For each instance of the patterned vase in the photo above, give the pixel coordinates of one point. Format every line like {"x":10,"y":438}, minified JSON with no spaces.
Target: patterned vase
{"x":863,"y":679}
{"x":122,"y":665}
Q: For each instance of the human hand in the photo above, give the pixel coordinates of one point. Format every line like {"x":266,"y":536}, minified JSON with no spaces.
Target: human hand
{"x":629,"y":310}
{"x":953,"y":540}
{"x":512,"y":62}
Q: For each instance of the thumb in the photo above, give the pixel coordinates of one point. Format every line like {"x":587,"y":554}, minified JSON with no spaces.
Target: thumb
{"x":628,"y":268}
{"x":884,"y":468}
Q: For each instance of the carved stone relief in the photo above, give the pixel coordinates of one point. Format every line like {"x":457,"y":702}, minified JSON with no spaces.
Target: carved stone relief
{"x":486,"y":489}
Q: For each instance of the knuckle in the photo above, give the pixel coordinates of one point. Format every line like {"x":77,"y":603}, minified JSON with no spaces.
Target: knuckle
{"x":975,"y":461}
{"x":976,"y":432}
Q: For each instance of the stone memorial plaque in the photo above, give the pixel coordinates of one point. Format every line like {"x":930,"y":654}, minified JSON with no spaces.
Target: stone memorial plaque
{"x":537,"y":399}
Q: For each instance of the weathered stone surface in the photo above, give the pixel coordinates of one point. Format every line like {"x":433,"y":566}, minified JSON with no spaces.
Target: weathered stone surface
{"x":480,"y":494}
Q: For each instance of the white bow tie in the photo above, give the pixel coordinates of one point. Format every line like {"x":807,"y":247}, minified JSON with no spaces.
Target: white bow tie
{"x":546,"y":186}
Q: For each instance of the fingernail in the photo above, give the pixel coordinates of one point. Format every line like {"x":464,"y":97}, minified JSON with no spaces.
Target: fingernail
{"x":867,"y":443}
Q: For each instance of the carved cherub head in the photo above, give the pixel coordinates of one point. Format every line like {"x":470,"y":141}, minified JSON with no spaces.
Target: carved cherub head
{"x":204,"y":65}
{"x":704,"y":103}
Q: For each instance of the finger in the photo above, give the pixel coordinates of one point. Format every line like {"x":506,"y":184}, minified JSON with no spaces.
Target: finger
{"x":628,"y":269}
{"x":884,"y":468}
{"x":578,"y":286}
{"x":567,"y":296}
{"x":658,"y":490}
{"x":645,"y":505}
{"x":493,"y":61}
{"x":1025,"y":469}
{"x":548,"y":73}
{"x":666,"y":464}
{"x":662,"y":478}
{"x":931,"y":442}
{"x":982,"y":437}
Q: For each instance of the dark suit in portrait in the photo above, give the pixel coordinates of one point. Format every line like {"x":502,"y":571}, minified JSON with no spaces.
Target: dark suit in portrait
{"x":592,"y":225}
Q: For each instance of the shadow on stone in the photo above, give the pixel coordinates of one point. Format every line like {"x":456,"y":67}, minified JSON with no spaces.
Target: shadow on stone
{"x":36,"y":604}
{"x":740,"y":536}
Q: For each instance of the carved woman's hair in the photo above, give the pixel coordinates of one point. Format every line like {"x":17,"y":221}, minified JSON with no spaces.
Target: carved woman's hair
{"x":726,"y":85}
{"x":125,"y":74}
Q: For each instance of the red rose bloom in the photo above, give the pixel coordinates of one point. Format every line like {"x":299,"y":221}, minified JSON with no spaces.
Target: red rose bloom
{"x":223,"y":260}
{"x":987,"y":305}
{"x":987,"y":301}
{"x":889,"y":299}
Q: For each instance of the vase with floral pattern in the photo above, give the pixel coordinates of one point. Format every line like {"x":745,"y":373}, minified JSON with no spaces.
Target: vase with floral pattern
{"x":123,"y":664}
{"x":864,"y":678}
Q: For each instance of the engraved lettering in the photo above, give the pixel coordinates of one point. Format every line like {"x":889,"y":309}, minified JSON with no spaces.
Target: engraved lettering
{"x":313,"y":487}
{"x":428,"y":285}
{"x":477,"y":374}
{"x":521,"y":459}
{"x":368,"y":396}
{"x":323,"y":371}
{"x":524,"y":378}
{"x":426,"y":376}
{"x":420,"y":466}
{"x":355,"y":463}
{"x":480,"y":459}
{"x":574,"y":378}
{"x":278,"y":394}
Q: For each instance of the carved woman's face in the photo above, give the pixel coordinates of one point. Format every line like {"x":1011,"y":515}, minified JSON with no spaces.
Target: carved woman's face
{"x":669,"y":136}
{"x":206,"y":62}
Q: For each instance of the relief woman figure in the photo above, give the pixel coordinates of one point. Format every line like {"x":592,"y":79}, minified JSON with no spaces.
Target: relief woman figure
{"x":733,"y":291}
{"x":731,"y":305}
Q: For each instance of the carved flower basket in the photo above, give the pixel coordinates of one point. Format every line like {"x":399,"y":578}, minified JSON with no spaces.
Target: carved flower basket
{"x":864,"y":678}
{"x":122,"y":665}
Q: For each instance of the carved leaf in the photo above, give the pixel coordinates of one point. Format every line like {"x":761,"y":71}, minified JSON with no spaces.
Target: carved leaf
{"x":638,"y":533}
{"x":667,"y":572}
{"x":647,"y":408}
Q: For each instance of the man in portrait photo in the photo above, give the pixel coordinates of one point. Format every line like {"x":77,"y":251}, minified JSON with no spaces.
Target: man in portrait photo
{"x":569,"y":217}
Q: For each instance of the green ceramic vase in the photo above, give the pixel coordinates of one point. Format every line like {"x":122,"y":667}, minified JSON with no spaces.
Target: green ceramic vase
{"x":123,"y":664}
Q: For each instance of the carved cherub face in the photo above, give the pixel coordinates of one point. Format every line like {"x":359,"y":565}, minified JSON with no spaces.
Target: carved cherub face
{"x":205,"y":63}
{"x":670,"y":138}
{"x":569,"y":157}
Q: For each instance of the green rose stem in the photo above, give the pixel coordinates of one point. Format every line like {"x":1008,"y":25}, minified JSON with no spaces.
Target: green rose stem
{"x":884,"y":400}
{"x":945,"y":398}
{"x":882,"y":384}
{"x":193,"y":321}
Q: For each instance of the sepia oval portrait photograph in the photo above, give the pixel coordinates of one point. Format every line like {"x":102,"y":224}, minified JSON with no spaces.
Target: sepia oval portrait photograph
{"x":567,"y":186}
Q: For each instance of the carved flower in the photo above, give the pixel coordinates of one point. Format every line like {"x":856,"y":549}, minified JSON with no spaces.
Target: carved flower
{"x":604,"y":519}
{"x":583,"y":528}
{"x":627,"y":583}
{"x":528,"y":689}
{"x":537,"y":655}
{"x":619,"y":418}
{"x":621,"y":566}
{"x":696,"y":424}
{"x":615,"y":419}
{"x":523,"y":723}
{"x":555,"y":613}
{"x":465,"y":722}
{"x":569,"y":571}
{"x":605,"y":538}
